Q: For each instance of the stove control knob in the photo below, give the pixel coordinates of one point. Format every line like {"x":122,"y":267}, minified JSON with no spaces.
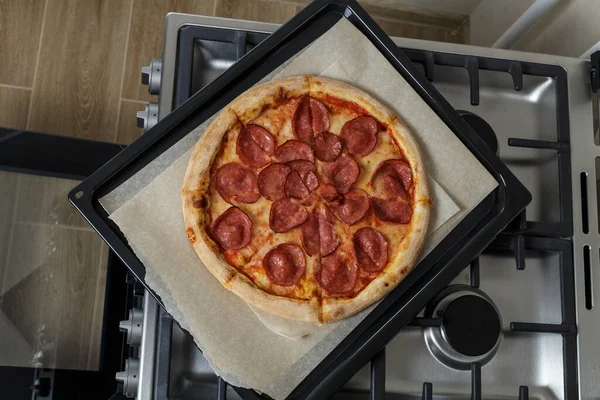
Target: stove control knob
{"x":132,"y":326}
{"x":149,"y":117}
{"x":130,"y":377}
{"x":151,"y":76}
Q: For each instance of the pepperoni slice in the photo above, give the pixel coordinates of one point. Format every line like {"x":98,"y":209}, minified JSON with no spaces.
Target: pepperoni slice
{"x":295,"y":187}
{"x":360,"y":135}
{"x":393,"y":178}
{"x":400,"y":170}
{"x":319,"y":116}
{"x":294,"y":150}
{"x":342,"y":173}
{"x":306,"y":170}
{"x":310,"y":234}
{"x":310,"y":200}
{"x":285,"y":264}
{"x":328,"y":240}
{"x":232,"y":230}
{"x":301,"y":121}
{"x":327,"y":146}
{"x":311,"y":117}
{"x":318,"y":233}
{"x":236,"y":183}
{"x":327,"y":192}
{"x":352,"y":207}
{"x":302,"y":180}
{"x":397,"y":211}
{"x":271,"y":181}
{"x":337,"y":275}
{"x":371,"y":249}
{"x":255,"y":145}
{"x":286,"y":215}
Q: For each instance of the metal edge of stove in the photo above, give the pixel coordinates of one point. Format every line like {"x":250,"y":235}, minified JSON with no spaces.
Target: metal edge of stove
{"x":582,"y":144}
{"x":585,"y":153}
{"x":173,"y":22}
{"x":147,"y":348}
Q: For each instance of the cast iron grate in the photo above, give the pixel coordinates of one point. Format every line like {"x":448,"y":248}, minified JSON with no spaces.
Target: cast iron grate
{"x":516,"y":69}
{"x":567,"y":329}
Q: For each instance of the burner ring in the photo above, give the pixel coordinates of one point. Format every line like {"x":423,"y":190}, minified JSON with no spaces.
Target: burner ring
{"x":450,"y":343}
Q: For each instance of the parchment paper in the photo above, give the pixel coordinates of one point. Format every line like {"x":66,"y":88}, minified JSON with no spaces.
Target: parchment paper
{"x":241,"y":349}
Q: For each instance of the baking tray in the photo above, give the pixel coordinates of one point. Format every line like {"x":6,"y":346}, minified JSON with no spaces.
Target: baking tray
{"x":434,"y":272}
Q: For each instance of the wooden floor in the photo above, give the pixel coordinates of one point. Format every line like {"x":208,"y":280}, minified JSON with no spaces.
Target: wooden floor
{"x":72,"y":67}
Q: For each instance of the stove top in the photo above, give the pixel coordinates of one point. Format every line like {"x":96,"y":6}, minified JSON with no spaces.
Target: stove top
{"x":519,"y":320}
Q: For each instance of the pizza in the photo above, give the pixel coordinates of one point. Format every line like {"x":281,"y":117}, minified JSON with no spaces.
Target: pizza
{"x":307,"y":198}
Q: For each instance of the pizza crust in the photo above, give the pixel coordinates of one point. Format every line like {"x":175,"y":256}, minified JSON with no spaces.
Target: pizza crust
{"x":247,"y":107}
{"x":193,"y":193}
{"x":250,"y":103}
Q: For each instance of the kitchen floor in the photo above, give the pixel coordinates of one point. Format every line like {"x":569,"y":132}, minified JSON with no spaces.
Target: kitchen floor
{"x":72,"y":67}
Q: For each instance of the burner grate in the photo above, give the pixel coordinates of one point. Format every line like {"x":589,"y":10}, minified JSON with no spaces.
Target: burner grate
{"x":568,"y":327}
{"x":473,"y":64}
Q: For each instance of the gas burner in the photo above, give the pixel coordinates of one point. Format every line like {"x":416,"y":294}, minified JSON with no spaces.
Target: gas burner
{"x":470,"y":328}
{"x":482,"y":128}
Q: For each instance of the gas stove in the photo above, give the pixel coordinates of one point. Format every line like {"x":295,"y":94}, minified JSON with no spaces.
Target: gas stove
{"x":519,"y":321}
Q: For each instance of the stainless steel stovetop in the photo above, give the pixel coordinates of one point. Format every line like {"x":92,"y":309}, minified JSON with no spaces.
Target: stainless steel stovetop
{"x":534,"y":294}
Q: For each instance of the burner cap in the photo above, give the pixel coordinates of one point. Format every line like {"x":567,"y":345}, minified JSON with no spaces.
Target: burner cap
{"x":471,"y":325}
{"x":482,"y":128}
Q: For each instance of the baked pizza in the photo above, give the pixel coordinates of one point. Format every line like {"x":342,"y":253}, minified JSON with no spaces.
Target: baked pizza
{"x":307,"y":198}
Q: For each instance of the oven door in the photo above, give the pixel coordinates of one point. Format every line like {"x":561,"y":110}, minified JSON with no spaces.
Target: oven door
{"x":62,"y":292}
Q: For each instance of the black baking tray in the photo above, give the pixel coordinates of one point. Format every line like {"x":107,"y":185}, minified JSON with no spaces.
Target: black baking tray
{"x":441,"y":265}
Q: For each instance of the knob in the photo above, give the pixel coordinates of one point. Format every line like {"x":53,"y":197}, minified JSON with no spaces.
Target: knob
{"x":151,"y":76}
{"x":149,"y":117}
{"x":130,"y":377}
{"x":133,"y":326}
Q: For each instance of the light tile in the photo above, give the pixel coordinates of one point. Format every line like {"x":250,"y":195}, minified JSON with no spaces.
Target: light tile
{"x":44,"y":200}
{"x":14,"y":104}
{"x":20,"y":25}
{"x":54,"y":306}
{"x":15,"y":350}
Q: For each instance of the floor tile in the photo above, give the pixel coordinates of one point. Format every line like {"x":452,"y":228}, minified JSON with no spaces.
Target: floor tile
{"x":15,"y":350}
{"x":93,"y":353}
{"x":14,"y":104}
{"x":54,"y":306}
{"x":20,"y":25}
{"x":79,"y":71}
{"x":43,"y":200}
{"x":8,"y":195}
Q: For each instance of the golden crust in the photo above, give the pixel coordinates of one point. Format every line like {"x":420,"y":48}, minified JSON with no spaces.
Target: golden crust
{"x":193,"y":192}
{"x":247,"y":107}
{"x":321,"y":87}
{"x":285,"y":307}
